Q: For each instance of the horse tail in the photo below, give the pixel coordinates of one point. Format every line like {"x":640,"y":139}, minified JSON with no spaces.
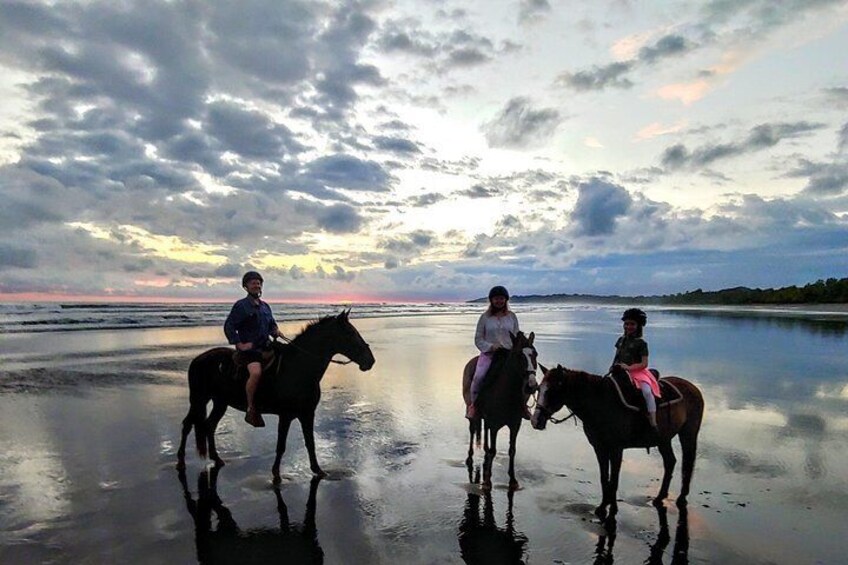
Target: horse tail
{"x":199,"y":396}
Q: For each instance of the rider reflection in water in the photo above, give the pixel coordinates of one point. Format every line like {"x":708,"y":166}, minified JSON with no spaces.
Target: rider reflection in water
{"x":247,"y":327}
{"x":493,"y":333}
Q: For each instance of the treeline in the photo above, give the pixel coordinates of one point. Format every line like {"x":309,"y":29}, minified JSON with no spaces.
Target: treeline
{"x":830,"y":291}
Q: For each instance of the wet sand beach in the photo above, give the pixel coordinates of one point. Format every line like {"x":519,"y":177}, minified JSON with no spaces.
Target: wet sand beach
{"x":90,"y":422}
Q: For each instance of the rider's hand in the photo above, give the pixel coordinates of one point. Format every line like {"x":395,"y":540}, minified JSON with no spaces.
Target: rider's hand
{"x":244,"y":346}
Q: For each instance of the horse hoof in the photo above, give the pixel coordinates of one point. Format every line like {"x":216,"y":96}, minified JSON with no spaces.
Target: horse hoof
{"x":487,"y":486}
{"x":681,"y":502}
{"x":513,"y":485}
{"x":218,"y":462}
{"x":601,"y":512}
{"x":658,"y":502}
{"x":319,"y":474}
{"x":276,"y":480}
{"x":181,"y":465}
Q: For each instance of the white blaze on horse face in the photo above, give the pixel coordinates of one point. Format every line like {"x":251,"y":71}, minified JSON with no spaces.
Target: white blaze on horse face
{"x":537,"y":413}
{"x":531,"y":370}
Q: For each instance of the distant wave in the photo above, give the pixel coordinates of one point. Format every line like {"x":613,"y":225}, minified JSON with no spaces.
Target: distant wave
{"x":34,"y":318}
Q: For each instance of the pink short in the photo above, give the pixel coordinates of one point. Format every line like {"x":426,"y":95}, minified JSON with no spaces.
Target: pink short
{"x":645,"y":376}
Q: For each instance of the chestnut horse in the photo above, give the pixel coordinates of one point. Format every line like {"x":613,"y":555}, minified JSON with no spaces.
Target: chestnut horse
{"x":611,"y":427}
{"x":290,"y":386}
{"x":501,"y":402}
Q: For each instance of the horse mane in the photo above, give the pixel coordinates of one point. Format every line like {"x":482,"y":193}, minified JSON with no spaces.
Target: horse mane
{"x":313,"y":326}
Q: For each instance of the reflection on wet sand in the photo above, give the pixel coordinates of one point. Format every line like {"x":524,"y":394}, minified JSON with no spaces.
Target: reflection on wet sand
{"x":480,"y":538}
{"x":226,"y":543}
{"x":680,"y":551}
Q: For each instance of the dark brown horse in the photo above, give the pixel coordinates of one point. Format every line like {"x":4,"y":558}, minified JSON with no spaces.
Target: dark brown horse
{"x":611,"y":427}
{"x":290,"y":387}
{"x":501,"y":402}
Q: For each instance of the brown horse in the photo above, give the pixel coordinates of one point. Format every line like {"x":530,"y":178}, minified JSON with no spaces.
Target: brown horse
{"x":501,"y":402}
{"x":290,"y":387}
{"x":611,"y":427}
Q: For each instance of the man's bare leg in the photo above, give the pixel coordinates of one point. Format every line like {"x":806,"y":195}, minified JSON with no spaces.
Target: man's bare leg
{"x":253,"y":417}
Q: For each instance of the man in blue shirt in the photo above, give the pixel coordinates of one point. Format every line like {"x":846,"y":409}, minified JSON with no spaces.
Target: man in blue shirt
{"x":248,"y":327}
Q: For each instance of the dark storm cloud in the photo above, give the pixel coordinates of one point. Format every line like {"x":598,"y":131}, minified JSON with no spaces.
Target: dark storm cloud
{"x":520,"y":125}
{"x":599,"y":77}
{"x":532,"y":10}
{"x":599,"y":204}
{"x":759,"y":137}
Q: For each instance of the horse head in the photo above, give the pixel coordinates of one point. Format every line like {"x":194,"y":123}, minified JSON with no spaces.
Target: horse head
{"x":350,"y":343}
{"x":552,"y":396}
{"x":523,"y":345}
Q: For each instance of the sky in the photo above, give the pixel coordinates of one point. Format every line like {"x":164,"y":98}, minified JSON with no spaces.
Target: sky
{"x":420,"y":150}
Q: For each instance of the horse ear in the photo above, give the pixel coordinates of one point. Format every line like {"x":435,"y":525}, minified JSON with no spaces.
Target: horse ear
{"x":531,"y":337}
{"x":544,"y":369}
{"x":559,"y":366}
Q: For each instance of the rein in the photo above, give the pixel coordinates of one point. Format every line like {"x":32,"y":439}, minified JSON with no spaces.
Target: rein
{"x":291,"y":342}
{"x":548,"y":414}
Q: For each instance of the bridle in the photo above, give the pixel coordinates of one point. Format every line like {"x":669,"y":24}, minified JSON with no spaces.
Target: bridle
{"x":547,"y":413}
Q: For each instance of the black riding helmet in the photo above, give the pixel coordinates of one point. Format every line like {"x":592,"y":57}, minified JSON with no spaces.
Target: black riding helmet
{"x":249,"y":276}
{"x":498,"y":291}
{"x":636,"y":315}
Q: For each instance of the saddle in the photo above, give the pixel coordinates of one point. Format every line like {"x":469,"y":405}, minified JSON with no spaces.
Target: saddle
{"x":632,"y":399}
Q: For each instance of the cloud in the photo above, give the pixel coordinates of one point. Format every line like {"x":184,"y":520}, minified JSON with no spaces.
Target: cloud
{"x":667,"y":46}
{"x":396,"y":145}
{"x":250,"y":133}
{"x":518,"y":125}
{"x":425,"y":199}
{"x":843,"y":138}
{"x":17,"y":257}
{"x":347,"y":171}
{"x":823,"y":179}
{"x":530,"y":11}
{"x":838,"y":95}
{"x":599,"y":77}
{"x":759,"y":137}
{"x":479,"y":191}
{"x":599,"y":204}
{"x":339,"y":218}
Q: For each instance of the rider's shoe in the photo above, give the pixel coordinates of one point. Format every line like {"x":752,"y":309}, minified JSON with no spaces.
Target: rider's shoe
{"x":525,"y":412}
{"x":254,"y":418}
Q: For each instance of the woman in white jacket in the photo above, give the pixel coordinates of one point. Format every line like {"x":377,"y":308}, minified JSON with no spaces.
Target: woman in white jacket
{"x":493,"y":333}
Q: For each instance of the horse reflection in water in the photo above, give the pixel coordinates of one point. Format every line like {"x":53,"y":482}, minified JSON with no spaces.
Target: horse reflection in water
{"x":227,"y":543}
{"x":680,"y":550}
{"x":481,"y":540}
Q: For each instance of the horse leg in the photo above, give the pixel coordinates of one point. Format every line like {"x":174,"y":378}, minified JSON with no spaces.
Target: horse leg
{"x":603,"y":463}
{"x":282,"y":433}
{"x":669,"y":461}
{"x":307,"y":424}
{"x":473,"y":426}
{"x":513,"y":435}
{"x":615,"y":472}
{"x":491,"y":436}
{"x":187,"y":424}
{"x":689,"y":446}
{"x":219,"y":407}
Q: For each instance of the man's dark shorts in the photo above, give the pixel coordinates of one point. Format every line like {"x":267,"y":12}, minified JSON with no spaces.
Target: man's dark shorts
{"x":250,"y":356}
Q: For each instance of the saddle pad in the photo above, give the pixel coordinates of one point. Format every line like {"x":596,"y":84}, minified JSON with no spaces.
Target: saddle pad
{"x":632,"y":398}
